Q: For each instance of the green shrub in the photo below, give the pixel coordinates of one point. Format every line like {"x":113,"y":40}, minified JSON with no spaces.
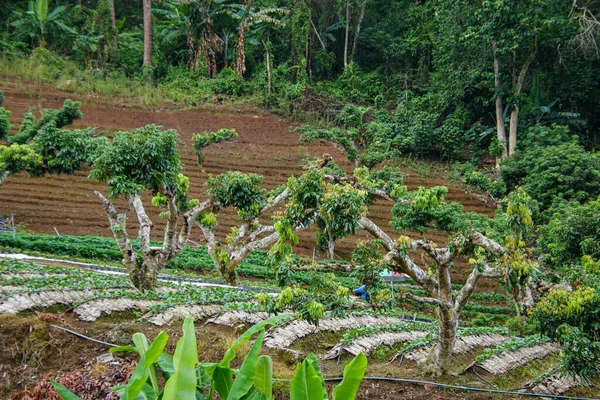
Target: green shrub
{"x":480,"y":180}
{"x":551,"y":174}
{"x":573,"y":231}
{"x":229,"y":83}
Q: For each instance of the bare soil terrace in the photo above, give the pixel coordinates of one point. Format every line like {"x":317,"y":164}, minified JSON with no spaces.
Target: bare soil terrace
{"x":264,"y":146}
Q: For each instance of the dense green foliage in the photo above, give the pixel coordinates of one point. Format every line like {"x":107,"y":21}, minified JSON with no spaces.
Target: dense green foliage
{"x":379,"y":79}
{"x":571,"y":318}
{"x":572,"y":232}
{"x":552,"y":167}
{"x":145,"y":158}
{"x":425,"y":85}
{"x":41,"y":145}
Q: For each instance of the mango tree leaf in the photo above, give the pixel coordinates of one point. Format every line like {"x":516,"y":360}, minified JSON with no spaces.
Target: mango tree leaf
{"x":182,"y":383}
{"x":264,"y":376}
{"x":353,"y":375}
{"x":306,"y":384}
{"x":245,"y":377}
{"x":64,"y":393}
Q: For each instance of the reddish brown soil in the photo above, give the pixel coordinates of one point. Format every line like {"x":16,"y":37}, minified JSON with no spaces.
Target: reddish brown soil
{"x":264,"y":146}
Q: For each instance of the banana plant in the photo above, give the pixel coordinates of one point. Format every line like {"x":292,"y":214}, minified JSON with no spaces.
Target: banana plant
{"x":186,"y":378}
{"x":37,"y":17}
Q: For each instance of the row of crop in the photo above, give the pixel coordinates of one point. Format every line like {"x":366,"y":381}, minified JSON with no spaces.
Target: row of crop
{"x":469,"y":311}
{"x":488,"y":296}
{"x":10,"y":266}
{"x":353,"y":334}
{"x":188,"y":295}
{"x":256,"y":265}
{"x":512,"y":345}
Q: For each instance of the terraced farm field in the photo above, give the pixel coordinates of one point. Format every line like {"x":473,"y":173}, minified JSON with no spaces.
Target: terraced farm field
{"x":37,"y":301}
{"x":264,"y":146}
{"x":105,"y":309}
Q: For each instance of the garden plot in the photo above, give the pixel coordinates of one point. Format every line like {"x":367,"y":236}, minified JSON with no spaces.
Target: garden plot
{"x":367,"y":343}
{"x":93,"y":309}
{"x":509,"y":360}
{"x":283,"y":337}
{"x":556,"y":384}
{"x":178,"y":312}
{"x":25,"y":301}
{"x":27,"y":286}
{"x":468,"y":340}
{"x":234,"y":318}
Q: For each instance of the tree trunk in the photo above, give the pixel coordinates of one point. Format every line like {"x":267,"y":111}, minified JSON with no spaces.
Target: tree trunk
{"x":347,"y":33}
{"x":113,"y":20}
{"x":268,"y":68}
{"x":442,"y":351}
{"x":228,"y":272}
{"x":517,"y":87}
{"x":331,"y":247}
{"x":500,"y":126}
{"x":208,"y":51}
{"x":357,"y":33}
{"x":240,"y":50}
{"x":147,"y":34}
{"x":144,"y":275}
{"x":512,"y":131}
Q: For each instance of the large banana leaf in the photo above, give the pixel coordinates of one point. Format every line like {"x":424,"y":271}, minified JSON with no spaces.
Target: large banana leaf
{"x":353,"y":375}
{"x":182,"y":383}
{"x":306,"y":383}
{"x":230,"y":354}
{"x":41,"y":9}
{"x":222,"y":380}
{"x":145,"y":368}
{"x":312,"y":359}
{"x":245,"y":377}
{"x":263,"y":381}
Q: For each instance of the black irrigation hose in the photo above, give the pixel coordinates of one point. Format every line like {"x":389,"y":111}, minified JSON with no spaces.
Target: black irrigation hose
{"x":83,"y":336}
{"x":482,"y":378}
{"x":466,"y":388}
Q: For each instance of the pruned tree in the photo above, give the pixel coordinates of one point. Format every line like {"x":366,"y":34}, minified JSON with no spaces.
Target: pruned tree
{"x":41,"y":146}
{"x":298,"y":202}
{"x":424,"y":208}
{"x":146,"y":159}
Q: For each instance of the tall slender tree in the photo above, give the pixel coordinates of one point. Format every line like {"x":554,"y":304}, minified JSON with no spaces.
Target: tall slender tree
{"x":147,"y":4}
